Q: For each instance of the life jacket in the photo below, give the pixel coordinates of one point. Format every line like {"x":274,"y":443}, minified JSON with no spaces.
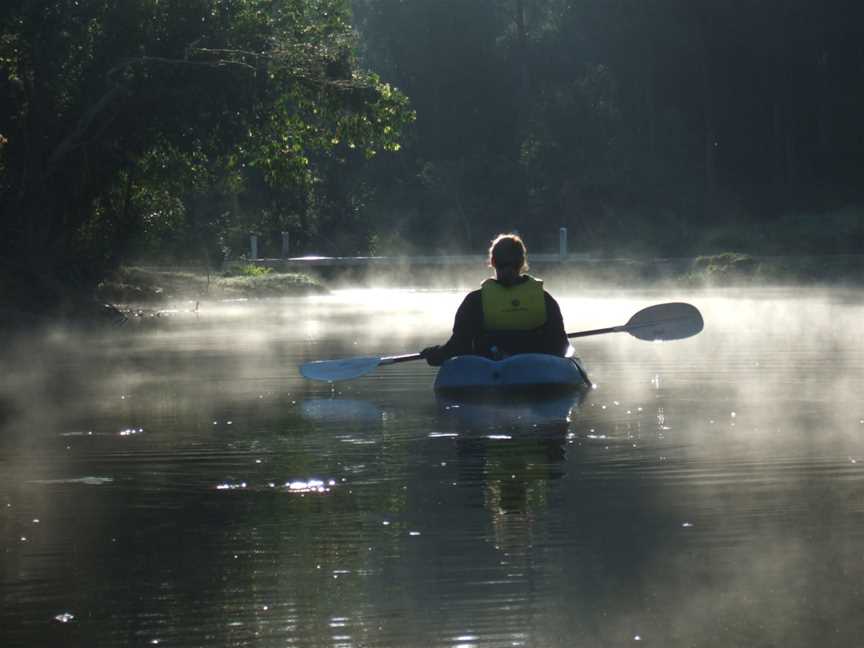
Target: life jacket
{"x":519,"y":307}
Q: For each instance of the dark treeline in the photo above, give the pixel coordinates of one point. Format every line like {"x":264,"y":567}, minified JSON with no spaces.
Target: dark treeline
{"x":171,"y":131}
{"x":662,"y":126}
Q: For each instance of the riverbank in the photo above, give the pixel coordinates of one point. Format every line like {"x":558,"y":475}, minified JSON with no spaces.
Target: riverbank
{"x":138,"y":285}
{"x":736,"y":268}
{"x":141,"y":285}
{"x":141,"y":291}
{"x":585,"y":270}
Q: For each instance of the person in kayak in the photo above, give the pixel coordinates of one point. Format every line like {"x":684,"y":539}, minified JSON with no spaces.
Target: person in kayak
{"x":509,"y":314}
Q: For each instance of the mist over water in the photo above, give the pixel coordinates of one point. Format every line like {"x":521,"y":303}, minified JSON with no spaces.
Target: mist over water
{"x":175,"y":482}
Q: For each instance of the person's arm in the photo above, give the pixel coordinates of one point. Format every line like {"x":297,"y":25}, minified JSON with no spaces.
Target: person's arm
{"x":555,"y":341}
{"x":466,"y":326}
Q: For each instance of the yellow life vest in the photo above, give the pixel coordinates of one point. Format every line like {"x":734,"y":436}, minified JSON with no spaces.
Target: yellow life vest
{"x":520,"y":307}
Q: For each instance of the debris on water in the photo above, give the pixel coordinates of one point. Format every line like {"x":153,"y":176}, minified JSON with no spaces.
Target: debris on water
{"x":87,"y":481}
{"x":310,"y":486}
{"x":64,"y":617}
{"x":230,"y":486}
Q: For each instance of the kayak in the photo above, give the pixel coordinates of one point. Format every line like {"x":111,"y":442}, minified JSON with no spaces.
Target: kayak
{"x":530,"y":374}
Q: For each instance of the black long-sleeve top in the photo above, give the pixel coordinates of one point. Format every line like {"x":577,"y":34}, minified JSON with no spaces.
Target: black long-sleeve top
{"x":470,"y":337}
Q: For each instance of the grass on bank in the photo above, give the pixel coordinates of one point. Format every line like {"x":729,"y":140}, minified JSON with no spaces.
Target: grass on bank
{"x":736,"y":268}
{"x":147,"y":285}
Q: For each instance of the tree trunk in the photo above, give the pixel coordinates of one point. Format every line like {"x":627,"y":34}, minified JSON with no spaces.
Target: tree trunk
{"x":823,"y":115}
{"x":710,"y":135}
{"x":779,"y":152}
{"x":522,"y":52}
{"x":651,"y":108}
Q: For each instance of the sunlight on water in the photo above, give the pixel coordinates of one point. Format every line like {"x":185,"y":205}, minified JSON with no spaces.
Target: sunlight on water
{"x":708,"y":487}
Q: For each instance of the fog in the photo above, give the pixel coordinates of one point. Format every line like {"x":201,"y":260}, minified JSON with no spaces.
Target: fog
{"x":706,"y":491}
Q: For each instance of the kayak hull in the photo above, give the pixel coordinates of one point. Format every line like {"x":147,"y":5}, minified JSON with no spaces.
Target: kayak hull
{"x":528,"y":374}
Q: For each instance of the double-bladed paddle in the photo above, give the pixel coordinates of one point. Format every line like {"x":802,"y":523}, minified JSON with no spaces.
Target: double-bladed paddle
{"x":672,"y":321}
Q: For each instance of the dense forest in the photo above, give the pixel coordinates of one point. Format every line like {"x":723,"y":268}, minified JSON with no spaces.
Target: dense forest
{"x":136,"y":127}
{"x":665,"y":127}
{"x":148,"y":129}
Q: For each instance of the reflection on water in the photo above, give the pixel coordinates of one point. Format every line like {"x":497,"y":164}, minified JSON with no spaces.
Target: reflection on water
{"x":176,"y":483}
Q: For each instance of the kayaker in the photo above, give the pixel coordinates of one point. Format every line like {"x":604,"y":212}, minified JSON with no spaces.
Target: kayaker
{"x":509,"y":314}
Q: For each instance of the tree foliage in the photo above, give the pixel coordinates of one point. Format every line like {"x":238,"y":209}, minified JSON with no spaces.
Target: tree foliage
{"x":124,"y":118}
{"x":640,"y":124}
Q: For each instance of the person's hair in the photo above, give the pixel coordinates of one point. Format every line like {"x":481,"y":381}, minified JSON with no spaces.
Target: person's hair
{"x":508,"y":250}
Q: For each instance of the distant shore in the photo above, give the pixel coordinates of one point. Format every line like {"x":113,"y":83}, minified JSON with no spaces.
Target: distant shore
{"x":728,"y":268}
{"x":141,"y":291}
{"x":272,"y":278}
{"x":142,"y":285}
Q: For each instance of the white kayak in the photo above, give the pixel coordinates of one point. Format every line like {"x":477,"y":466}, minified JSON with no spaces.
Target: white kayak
{"x":525,"y":373}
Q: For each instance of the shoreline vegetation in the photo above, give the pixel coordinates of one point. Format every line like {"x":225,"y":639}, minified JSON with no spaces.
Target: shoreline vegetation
{"x":141,"y":292}
{"x":707,"y":271}
{"x":138,"y":285}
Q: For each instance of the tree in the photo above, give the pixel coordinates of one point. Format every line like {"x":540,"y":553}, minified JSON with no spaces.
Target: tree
{"x":99,"y":98}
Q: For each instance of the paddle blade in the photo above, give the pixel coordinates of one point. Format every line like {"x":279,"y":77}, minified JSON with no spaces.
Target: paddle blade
{"x":333,"y":370}
{"x":673,"y":321}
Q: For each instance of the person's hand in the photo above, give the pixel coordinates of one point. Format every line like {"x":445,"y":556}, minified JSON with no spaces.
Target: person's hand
{"x":432,"y":355}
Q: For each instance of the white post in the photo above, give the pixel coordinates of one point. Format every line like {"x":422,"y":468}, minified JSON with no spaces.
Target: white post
{"x":253,"y":246}
{"x":562,"y":244}
{"x":286,"y":244}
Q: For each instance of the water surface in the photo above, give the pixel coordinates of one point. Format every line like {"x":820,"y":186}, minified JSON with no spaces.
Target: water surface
{"x":176,"y":483}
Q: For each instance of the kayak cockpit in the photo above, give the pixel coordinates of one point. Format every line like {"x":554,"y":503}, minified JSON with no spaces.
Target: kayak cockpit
{"x":529,"y":374}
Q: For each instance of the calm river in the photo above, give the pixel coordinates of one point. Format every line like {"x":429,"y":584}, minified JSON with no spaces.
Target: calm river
{"x":174,"y":482}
